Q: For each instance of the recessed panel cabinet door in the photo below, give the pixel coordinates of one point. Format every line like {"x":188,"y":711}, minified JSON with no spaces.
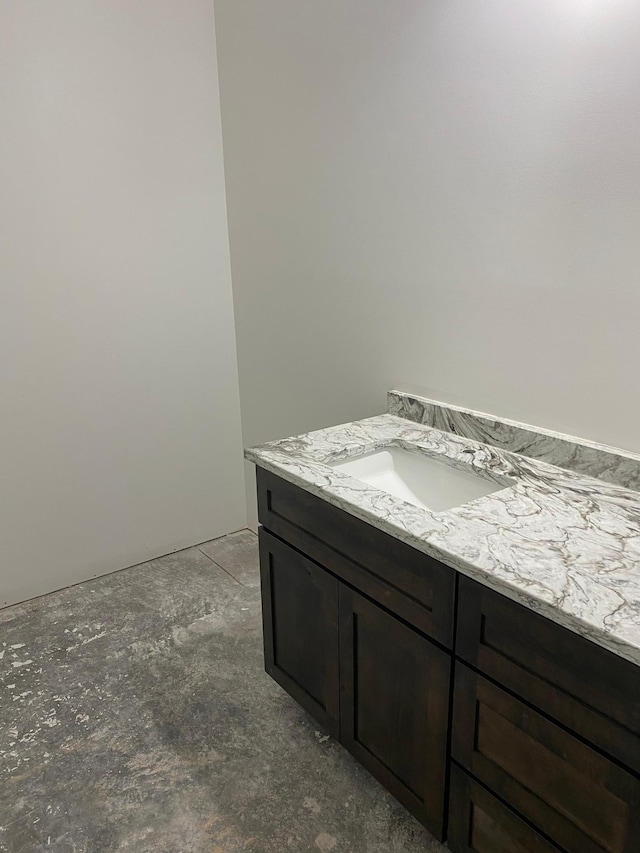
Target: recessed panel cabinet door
{"x":393,"y":705}
{"x":300,"y":617}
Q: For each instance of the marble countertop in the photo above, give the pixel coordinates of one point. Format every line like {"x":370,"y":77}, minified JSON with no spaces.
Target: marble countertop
{"x":564,"y":544}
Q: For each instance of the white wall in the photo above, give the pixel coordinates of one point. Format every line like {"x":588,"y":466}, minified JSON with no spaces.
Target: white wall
{"x":119,"y":411}
{"x":442,"y":197}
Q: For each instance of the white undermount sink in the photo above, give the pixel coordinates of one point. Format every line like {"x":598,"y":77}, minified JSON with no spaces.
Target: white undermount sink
{"x":424,"y":481}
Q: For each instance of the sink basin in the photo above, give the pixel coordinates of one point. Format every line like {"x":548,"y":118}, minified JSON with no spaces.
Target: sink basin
{"x":426,"y":482}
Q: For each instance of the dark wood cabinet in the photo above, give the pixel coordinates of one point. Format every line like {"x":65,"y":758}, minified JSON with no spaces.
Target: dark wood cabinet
{"x":581,"y":799}
{"x":394,"y":705}
{"x":498,"y":728}
{"x":300,"y":618}
{"x":417,"y":588}
{"x":586,"y":688}
{"x":481,"y":823}
{"x":373,"y":680}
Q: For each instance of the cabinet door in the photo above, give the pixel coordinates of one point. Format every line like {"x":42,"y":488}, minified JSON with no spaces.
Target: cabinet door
{"x":300,"y":620}
{"x":394,"y":702}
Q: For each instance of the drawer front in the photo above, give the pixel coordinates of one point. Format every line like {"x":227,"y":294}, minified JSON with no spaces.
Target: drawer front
{"x":480,"y":823}
{"x":419,"y":589}
{"x":586,"y":688}
{"x":300,"y":619}
{"x":581,"y":800}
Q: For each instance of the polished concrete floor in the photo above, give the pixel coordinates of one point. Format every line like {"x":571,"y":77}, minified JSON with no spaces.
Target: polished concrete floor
{"x":135,"y":716}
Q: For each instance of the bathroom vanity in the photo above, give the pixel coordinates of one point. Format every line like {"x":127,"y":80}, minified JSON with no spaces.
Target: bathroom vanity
{"x":480,"y":661}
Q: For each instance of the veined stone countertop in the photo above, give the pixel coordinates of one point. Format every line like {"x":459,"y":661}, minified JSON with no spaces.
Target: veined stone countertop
{"x":563,"y":543}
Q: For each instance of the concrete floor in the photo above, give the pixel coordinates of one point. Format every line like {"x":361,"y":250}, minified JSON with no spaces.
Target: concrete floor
{"x":135,"y":716}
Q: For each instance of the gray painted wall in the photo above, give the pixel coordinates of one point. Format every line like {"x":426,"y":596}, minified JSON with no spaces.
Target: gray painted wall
{"x":440,"y":197}
{"x":119,"y":409}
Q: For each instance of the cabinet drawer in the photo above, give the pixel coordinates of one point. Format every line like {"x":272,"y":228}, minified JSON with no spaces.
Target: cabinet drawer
{"x":300,"y":620}
{"x":577,"y":797}
{"x":416,"y":587}
{"x":588,"y":689}
{"x":480,"y":823}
